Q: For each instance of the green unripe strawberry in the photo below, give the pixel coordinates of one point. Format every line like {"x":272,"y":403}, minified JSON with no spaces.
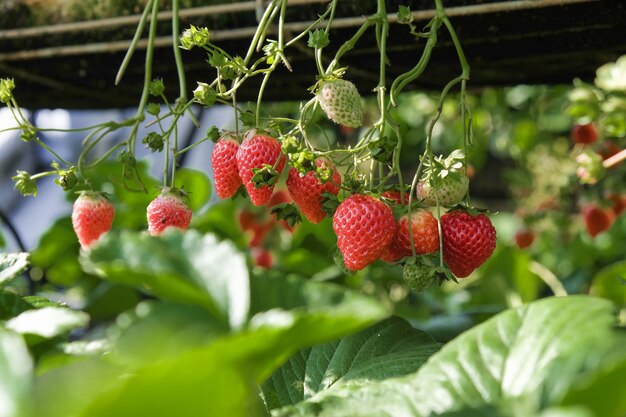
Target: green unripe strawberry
{"x":418,"y":277}
{"x":341,"y":102}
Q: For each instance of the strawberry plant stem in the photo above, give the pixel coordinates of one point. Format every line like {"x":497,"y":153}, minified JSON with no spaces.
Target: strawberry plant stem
{"x":182,"y":82}
{"x":133,"y":44}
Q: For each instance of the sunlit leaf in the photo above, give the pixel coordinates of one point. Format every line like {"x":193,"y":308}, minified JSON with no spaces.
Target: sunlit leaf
{"x":520,"y":356}
{"x":15,"y":374}
{"x":48,"y":322}
{"x":12,"y":265}
{"x":179,"y":266}
{"x":388,"y":349}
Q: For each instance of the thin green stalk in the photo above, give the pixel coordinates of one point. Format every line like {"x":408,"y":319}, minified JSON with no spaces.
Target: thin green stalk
{"x":104,"y":156}
{"x":350,"y":44}
{"x":180,"y":69}
{"x":149,"y":57}
{"x":260,"y":30}
{"x":47,"y":148}
{"x":133,"y":45}
{"x":190,"y":147}
{"x":174,"y":150}
{"x":87,"y":147}
{"x":399,"y":83}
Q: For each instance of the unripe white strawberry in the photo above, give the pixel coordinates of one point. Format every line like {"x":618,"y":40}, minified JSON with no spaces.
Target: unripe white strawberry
{"x":341,"y":102}
{"x":445,"y":181}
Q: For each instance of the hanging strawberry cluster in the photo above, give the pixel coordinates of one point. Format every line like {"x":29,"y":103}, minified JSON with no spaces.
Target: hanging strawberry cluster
{"x":426,"y":225}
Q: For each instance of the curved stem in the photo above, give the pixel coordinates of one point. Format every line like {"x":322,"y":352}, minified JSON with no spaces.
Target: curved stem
{"x":47,"y":148}
{"x":133,"y":44}
{"x":180,"y":69}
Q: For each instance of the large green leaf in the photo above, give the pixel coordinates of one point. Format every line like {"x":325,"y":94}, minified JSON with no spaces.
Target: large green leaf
{"x":15,"y":374}
{"x":156,"y":330}
{"x":180,"y":266}
{"x":12,"y":265}
{"x":526,"y":355}
{"x":48,"y":322}
{"x":205,"y":376}
{"x":610,"y":283}
{"x":603,"y":391}
{"x":388,"y":349}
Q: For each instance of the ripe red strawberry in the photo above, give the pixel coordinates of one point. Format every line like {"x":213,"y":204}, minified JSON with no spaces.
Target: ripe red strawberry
{"x":364,"y":226}
{"x":306,"y":191}
{"x":168,"y":210}
{"x":341,"y":102}
{"x":259,"y":232}
{"x":584,"y":134}
{"x":425,"y":236}
{"x":468,"y":241}
{"x":254,"y":152}
{"x":394,"y":195}
{"x":262,"y":257}
{"x":225,"y":171}
{"x":524,"y":238}
{"x":597,"y":220}
{"x":92,"y":216}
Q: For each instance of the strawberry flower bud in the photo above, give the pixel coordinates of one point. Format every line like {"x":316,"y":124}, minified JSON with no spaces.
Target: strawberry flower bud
{"x":6,"y":89}
{"x":25,"y":184}
{"x":194,"y":36}
{"x":205,"y":94}
{"x":156,"y":87}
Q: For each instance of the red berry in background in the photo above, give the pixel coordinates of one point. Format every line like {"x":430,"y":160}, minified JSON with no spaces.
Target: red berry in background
{"x":395,"y":196}
{"x":254,"y":152}
{"x":168,"y":210}
{"x":246,"y":219}
{"x":262,"y":257}
{"x":597,"y":219}
{"x":524,"y":238}
{"x":306,"y":191}
{"x":618,"y":203}
{"x":468,"y":241}
{"x":608,"y":149}
{"x":259,"y":232}
{"x":425,"y":236}
{"x":364,"y":226}
{"x":92,"y":216}
{"x":584,"y":134}
{"x":225,"y":171}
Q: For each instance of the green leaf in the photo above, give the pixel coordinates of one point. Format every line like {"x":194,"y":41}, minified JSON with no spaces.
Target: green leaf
{"x":155,"y":331}
{"x":314,"y":312}
{"x":11,"y":305}
{"x":197,"y":186}
{"x":15,"y":374}
{"x":526,"y":356}
{"x":48,"y":322}
{"x":208,"y":377}
{"x":610,"y":283}
{"x":12,"y":265}
{"x":388,"y":349}
{"x":508,"y":271}
{"x":180,"y":266}
{"x":603,"y":392}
